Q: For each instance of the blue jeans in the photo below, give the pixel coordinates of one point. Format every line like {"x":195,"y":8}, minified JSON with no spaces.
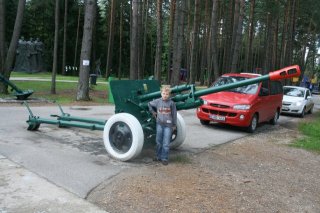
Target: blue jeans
{"x":163,"y":138}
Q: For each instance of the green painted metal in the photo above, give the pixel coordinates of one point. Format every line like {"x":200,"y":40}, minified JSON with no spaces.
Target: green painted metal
{"x":67,"y":117}
{"x":132,"y":97}
{"x":126,"y":96}
{"x":64,"y":120}
{"x":20,"y":94}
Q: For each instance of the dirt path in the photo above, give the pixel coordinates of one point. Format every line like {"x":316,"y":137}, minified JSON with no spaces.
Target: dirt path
{"x":259,"y":173}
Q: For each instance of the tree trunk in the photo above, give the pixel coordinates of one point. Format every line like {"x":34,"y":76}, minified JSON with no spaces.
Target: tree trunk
{"x":2,"y":35}
{"x":188,"y":39}
{"x":170,"y":49}
{"x":55,"y":49}
{"x":283,"y":52}
{"x":83,"y":84}
{"x":194,"y":43}
{"x":140,"y":40}
{"x":178,"y":41}
{"x":120,"y":40}
{"x":145,"y":35}
{"x":248,"y":57}
{"x":134,"y":43}
{"x":275,"y":45}
{"x":77,"y":38}
{"x":158,"y":59}
{"x":291,"y":31}
{"x":205,"y":41}
{"x":303,"y":57}
{"x":213,"y":67}
{"x":111,"y":38}
{"x":13,"y":44}
{"x":228,"y":38}
{"x":238,"y":38}
{"x":64,"y":54}
{"x":236,"y":15}
{"x":268,"y":45}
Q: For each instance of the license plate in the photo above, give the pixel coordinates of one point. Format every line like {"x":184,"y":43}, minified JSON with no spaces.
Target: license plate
{"x":217,"y":117}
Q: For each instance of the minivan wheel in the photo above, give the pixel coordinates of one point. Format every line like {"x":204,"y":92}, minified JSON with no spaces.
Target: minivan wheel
{"x":275,"y":118}
{"x":303,"y":112}
{"x":253,"y":125}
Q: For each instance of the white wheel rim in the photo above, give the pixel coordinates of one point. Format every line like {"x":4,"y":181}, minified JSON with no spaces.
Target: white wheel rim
{"x":181,"y":132}
{"x":123,"y":136}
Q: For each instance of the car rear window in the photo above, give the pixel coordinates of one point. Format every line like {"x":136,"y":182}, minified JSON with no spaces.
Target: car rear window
{"x":293,"y":92}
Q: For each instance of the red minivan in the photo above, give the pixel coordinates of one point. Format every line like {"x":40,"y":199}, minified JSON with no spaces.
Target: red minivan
{"x":244,"y":106}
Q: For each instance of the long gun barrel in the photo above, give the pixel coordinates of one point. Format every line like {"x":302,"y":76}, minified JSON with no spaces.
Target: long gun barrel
{"x":287,"y":72}
{"x":132,"y":96}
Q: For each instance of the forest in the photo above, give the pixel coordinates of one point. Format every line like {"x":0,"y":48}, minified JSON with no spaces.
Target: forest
{"x":173,"y":40}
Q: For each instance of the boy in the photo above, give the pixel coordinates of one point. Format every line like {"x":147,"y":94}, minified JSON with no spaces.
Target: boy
{"x":165,"y":112}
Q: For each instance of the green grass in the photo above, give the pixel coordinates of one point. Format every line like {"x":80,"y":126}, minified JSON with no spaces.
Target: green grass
{"x":183,"y":159}
{"x":47,"y":75}
{"x":66,"y":91}
{"x":311,"y":132}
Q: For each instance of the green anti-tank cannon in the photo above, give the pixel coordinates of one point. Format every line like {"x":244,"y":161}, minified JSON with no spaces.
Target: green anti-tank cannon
{"x":132,"y":125}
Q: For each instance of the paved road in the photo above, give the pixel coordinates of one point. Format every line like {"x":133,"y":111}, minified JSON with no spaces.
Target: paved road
{"x":76,"y":160}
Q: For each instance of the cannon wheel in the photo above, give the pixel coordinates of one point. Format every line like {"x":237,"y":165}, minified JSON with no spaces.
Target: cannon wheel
{"x":179,"y":135}
{"x":123,"y":136}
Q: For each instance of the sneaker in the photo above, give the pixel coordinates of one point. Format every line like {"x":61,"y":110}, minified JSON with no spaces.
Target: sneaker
{"x":165,"y":162}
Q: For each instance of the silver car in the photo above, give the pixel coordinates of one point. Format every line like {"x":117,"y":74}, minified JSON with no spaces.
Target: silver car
{"x":297,"y":100}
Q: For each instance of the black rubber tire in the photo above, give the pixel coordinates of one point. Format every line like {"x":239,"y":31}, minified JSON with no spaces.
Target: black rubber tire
{"x":204,"y":122}
{"x":253,"y":124}
{"x":275,"y":118}
{"x":303,"y":113}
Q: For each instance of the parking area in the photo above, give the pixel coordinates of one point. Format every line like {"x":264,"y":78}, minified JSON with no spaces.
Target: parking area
{"x":76,"y":160}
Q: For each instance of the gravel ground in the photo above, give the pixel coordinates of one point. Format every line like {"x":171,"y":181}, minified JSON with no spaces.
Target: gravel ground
{"x":259,"y":173}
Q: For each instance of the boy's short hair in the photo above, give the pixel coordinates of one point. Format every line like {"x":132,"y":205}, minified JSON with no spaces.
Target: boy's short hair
{"x":166,"y":88}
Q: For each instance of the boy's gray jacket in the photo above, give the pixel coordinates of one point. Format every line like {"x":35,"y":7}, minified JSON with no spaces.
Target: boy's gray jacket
{"x":166,"y":111}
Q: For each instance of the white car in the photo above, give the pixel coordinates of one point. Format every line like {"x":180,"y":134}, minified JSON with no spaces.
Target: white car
{"x":297,"y":100}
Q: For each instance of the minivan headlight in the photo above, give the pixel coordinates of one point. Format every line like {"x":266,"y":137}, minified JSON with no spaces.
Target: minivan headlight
{"x":241,"y":107}
{"x":205,"y":102}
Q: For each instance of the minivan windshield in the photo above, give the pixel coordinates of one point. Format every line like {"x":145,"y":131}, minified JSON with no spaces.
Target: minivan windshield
{"x":224,"y":80}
